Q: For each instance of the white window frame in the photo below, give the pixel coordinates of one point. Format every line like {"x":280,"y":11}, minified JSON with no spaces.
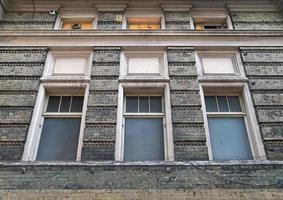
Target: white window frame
{"x":142,"y":14}
{"x":210,"y":14}
{"x":236,"y":60}
{"x":248,"y":112}
{"x":57,"y":84}
{"x":69,"y":15}
{"x":163,"y":66}
{"x":37,"y":122}
{"x":142,"y":89}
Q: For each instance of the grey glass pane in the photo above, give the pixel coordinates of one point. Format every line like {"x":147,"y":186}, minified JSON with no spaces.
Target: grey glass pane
{"x":234,"y":104}
{"x":131,"y":104}
{"x":155,"y":104}
{"x":144,"y":104}
{"x":210,"y":103}
{"x":53,"y":104}
{"x":77,"y":104}
{"x":65,"y":104}
{"x":144,"y":139}
{"x":222,"y":104}
{"x":229,"y":139}
{"x":59,"y":139}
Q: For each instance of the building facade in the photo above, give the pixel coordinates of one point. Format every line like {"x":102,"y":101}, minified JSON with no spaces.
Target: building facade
{"x":163,"y":99}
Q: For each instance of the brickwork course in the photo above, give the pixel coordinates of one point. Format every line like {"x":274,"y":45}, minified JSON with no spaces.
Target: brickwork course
{"x":97,"y":174}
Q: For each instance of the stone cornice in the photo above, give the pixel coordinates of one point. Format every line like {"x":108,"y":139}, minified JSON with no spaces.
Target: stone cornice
{"x":82,"y":33}
{"x":163,"y":38}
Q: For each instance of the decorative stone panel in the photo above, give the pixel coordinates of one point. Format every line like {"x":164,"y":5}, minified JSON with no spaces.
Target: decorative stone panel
{"x":109,"y":20}
{"x":263,"y":66}
{"x":177,"y":20}
{"x":188,"y":129}
{"x":257,"y":20}
{"x":20,"y":71}
{"x":101,"y":116}
{"x":27,"y":21}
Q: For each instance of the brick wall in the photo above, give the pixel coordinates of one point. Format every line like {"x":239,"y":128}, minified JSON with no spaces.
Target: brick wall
{"x":257,"y":20}
{"x":264,"y":68}
{"x":101,"y":116}
{"x":20,"y":69}
{"x":188,"y":130}
{"x":27,"y":21}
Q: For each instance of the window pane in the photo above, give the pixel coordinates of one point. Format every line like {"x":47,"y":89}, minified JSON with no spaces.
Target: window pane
{"x":131,"y":104}
{"x":222,"y":104}
{"x":155,"y":104}
{"x":65,"y":104}
{"x":53,"y":104}
{"x":234,"y":104}
{"x":144,"y":139}
{"x":59,"y":139}
{"x":210,"y":103}
{"x":77,"y":104}
{"x":144,"y":104}
{"x":229,"y":139}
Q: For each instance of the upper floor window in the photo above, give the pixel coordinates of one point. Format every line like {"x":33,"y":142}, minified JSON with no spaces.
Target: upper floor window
{"x":210,"y":24}
{"x":144,"y":23}
{"x":77,"y":24}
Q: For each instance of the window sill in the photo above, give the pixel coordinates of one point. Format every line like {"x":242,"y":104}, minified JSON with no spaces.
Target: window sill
{"x":145,"y":163}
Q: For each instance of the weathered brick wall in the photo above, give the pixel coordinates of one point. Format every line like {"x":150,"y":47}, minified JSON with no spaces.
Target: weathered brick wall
{"x":188,"y":130}
{"x":109,"y":20}
{"x":20,"y":70}
{"x":264,"y":68}
{"x":27,"y":21}
{"x":201,"y":175}
{"x":177,"y":20}
{"x":101,"y":116}
{"x":257,"y":20}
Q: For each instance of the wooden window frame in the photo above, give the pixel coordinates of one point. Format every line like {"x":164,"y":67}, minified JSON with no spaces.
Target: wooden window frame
{"x":242,"y":91}
{"x":142,"y":89}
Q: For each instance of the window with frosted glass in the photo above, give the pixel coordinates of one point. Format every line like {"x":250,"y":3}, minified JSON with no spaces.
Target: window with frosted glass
{"x":227,"y":128}
{"x":144,"y":23}
{"x":143,"y":128}
{"x":61,"y":128}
